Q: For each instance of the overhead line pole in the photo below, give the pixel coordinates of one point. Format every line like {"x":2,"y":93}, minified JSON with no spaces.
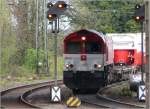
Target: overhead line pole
{"x":142,"y":51}
{"x":55,"y":51}
{"x":147,"y":27}
{"x":37,"y":36}
{"x":46,"y":40}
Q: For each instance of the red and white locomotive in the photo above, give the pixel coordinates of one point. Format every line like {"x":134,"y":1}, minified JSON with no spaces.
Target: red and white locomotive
{"x":88,"y":59}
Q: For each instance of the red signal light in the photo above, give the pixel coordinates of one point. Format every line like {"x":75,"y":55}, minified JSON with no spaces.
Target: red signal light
{"x":61,"y":5}
{"x":51,"y":16}
{"x":139,"y":18}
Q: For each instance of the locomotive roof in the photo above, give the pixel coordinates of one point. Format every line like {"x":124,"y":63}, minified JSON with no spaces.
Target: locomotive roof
{"x":100,"y":34}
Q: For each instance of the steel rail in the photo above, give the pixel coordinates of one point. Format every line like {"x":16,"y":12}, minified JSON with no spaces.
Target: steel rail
{"x":92,"y":102}
{"x":3,"y":92}
{"x":24,"y":96}
{"x":105,"y":102}
{"x":100,"y":96}
{"x":24,"y":88}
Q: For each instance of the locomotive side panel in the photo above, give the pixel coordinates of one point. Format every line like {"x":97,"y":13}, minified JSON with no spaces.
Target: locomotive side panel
{"x":124,"y":56}
{"x":110,"y":52}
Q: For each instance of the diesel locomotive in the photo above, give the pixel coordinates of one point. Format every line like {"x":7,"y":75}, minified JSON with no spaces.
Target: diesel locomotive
{"x":88,"y":60}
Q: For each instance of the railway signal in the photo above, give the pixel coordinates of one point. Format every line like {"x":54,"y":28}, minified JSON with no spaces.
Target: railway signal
{"x":55,"y":10}
{"x":139,"y":14}
{"x":61,"y":5}
{"x":53,"y":14}
{"x":49,"y":5}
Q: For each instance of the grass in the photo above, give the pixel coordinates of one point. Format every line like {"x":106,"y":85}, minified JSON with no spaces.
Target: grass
{"x":125,"y":91}
{"x":59,"y":68}
{"x":21,"y":75}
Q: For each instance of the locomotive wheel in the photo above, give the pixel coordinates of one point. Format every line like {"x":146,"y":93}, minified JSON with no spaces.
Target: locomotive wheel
{"x":109,"y":78}
{"x":119,"y":77}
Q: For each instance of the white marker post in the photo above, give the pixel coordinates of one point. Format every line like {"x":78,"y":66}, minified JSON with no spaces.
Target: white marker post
{"x":142,"y":92}
{"x":55,"y":94}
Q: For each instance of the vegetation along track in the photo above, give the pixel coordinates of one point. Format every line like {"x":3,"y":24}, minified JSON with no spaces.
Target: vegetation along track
{"x":105,"y":102}
{"x":13,"y":97}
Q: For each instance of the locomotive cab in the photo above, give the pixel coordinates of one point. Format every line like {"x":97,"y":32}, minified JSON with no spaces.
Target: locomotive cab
{"x":84,"y":60}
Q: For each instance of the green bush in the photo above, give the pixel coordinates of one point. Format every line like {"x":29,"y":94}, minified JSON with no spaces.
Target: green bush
{"x":30,"y":58}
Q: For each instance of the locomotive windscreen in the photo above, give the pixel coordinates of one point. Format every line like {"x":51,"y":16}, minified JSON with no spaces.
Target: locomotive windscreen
{"x":92,"y":48}
{"x":73,"y":47}
{"x":89,"y":47}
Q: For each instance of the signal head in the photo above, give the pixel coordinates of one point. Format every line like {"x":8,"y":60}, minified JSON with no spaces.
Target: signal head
{"x":51,"y":16}
{"x":61,"y":5}
{"x":139,"y":18}
{"x":137,"y":6}
{"x":49,"y":5}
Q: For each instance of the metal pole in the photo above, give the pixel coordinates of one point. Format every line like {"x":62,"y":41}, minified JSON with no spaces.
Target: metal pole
{"x":37,"y":35}
{"x":55,"y":52}
{"x":46,"y":38}
{"x":142,"y":51}
{"x":147,"y":27}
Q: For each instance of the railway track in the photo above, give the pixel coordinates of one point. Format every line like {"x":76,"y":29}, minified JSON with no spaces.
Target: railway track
{"x":15,"y":97}
{"x":27,"y":97}
{"x":105,"y":102}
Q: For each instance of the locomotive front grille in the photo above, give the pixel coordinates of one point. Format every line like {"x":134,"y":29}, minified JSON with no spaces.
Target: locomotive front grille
{"x":87,"y":79}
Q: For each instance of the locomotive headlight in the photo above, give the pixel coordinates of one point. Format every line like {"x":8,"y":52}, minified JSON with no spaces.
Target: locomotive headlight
{"x":67,"y":65}
{"x":98,"y":66}
{"x":83,"y":38}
